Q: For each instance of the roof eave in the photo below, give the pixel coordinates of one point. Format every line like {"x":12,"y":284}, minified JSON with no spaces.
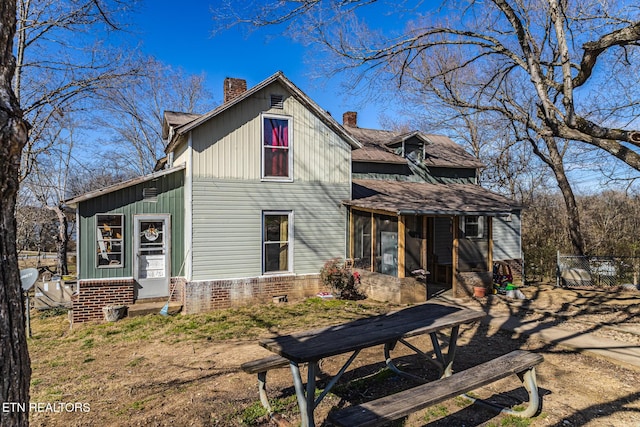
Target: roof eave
{"x":454,"y":212}
{"x":115,"y":187}
{"x":299,"y":95}
{"x":395,"y":162}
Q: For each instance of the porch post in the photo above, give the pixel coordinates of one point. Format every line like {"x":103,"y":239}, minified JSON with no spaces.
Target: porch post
{"x":490,"y":237}
{"x":401,"y":246}
{"x":423,"y":245}
{"x":454,"y":256}
{"x":352,"y":234}
{"x":373,"y":243}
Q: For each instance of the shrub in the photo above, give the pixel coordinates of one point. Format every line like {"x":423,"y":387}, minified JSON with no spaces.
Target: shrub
{"x":341,"y":280}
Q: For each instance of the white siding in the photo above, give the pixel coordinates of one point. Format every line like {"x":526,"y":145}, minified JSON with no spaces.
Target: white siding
{"x":506,"y":238}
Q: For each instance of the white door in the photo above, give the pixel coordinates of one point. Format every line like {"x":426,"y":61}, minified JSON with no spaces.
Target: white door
{"x":152,"y":260}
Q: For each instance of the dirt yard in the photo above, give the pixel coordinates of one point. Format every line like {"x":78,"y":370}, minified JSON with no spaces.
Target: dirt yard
{"x":132,"y":375}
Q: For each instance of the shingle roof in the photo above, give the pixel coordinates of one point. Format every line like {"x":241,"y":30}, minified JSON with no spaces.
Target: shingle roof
{"x":402,"y":197}
{"x":111,"y":188}
{"x":175,"y":119}
{"x":440,"y":151}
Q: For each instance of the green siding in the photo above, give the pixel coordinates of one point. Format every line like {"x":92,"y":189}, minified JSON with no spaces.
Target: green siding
{"x":227,"y":224}
{"x":396,"y":172}
{"x":129,"y":201}
{"x":229,"y":197}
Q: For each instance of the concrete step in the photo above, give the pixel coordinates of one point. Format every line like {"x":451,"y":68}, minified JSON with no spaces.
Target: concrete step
{"x":152,"y":307}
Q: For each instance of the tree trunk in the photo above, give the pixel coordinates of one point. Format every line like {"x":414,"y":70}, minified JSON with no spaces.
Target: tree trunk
{"x":15,"y":370}
{"x":573,"y":216}
{"x":62,"y":241}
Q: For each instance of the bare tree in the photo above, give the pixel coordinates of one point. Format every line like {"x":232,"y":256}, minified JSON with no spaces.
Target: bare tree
{"x":15,"y":369}
{"x":63,"y":59}
{"x":549,"y":67}
{"x":48,"y":184}
{"x":134,"y":113}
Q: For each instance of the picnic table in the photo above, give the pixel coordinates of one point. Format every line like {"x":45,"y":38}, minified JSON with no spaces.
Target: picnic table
{"x":310,"y":347}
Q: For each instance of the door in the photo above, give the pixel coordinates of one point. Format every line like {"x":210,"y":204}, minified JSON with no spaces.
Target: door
{"x":152,"y":255}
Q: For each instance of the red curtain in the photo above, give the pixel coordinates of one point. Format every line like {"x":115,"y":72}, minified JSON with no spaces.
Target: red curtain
{"x":276,"y":161}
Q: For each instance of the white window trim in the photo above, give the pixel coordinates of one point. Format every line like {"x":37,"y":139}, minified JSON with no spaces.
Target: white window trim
{"x":122,"y":240}
{"x":289,"y":178}
{"x":481,"y":227}
{"x":290,"y":240}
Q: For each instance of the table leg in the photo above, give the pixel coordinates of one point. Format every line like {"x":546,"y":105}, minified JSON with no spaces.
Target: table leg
{"x":451,"y":352}
{"x":307,"y":401}
{"x":446,"y":361}
{"x":389,"y":362}
{"x":302,"y":401}
{"x":311,"y":392}
{"x":262,"y":391}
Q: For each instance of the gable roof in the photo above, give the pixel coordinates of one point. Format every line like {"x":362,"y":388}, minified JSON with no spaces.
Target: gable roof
{"x":182,"y":129}
{"x":440,"y":151}
{"x":175,"y":119}
{"x":124,"y":184}
{"x":418,"y":198}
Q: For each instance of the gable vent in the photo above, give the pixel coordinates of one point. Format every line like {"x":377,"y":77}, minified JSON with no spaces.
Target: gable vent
{"x":277,"y":101}
{"x":150,"y":194}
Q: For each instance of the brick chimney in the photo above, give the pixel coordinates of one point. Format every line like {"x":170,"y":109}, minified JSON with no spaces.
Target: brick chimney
{"x":233,"y":88}
{"x":350,"y":118}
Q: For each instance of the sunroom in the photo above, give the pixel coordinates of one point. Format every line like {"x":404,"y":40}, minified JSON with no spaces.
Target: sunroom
{"x":411,"y":233}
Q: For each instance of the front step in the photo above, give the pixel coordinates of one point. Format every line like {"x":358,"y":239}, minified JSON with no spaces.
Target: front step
{"x":144,"y":307}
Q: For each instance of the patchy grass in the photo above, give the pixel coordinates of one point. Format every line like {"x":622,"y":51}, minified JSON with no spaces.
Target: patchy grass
{"x":134,"y":365}
{"x":437,"y":411}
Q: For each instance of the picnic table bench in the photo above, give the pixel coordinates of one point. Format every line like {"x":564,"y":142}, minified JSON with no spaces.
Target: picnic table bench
{"x":398,"y":405}
{"x":309,"y":347}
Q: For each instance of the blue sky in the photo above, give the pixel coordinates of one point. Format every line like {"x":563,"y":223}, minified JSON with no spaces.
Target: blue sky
{"x":180,"y":34}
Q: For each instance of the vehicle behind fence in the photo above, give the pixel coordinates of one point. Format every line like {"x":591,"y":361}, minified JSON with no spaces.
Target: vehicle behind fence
{"x":597,"y":271}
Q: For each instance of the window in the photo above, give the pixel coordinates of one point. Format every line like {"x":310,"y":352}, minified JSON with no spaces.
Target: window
{"x":362,"y":239}
{"x":473,"y":227}
{"x":109,"y":243}
{"x":276,"y":147}
{"x":276,"y":241}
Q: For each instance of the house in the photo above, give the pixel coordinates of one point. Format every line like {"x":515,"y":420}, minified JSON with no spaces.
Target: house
{"x":254,"y":196}
{"x":417,"y":208}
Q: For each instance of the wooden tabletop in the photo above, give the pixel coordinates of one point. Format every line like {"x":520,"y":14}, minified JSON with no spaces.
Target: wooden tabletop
{"x":420,"y":319}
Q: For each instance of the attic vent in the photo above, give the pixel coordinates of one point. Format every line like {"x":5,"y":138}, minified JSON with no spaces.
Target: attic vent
{"x":150,"y":194}
{"x":277,"y":101}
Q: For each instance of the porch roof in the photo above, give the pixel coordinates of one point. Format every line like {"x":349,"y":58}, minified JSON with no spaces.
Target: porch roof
{"x":418,"y":198}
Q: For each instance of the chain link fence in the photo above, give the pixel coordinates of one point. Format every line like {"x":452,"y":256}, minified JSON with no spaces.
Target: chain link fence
{"x":600,"y":272}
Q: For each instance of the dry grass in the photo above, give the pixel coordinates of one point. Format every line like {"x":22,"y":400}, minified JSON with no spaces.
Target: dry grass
{"x":114,"y":366}
{"x":184,"y":370}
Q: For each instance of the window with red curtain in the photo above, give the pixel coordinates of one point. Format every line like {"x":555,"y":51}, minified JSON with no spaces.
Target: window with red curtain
{"x":276,"y":147}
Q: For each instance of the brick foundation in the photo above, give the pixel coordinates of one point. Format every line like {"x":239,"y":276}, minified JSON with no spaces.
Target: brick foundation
{"x":195,"y":297}
{"x":202,"y":296}
{"x":94,"y":294}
